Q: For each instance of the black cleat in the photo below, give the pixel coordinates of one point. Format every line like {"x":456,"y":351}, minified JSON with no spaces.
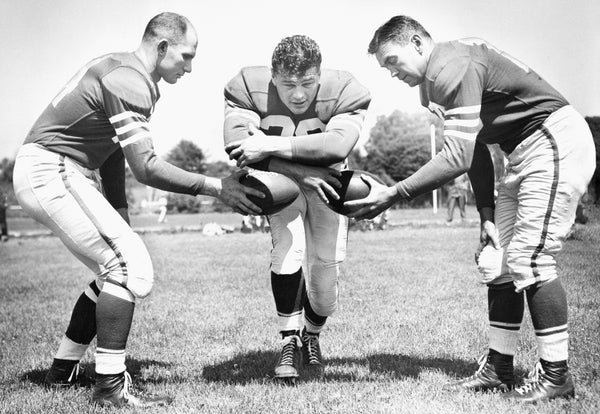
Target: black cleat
{"x":546,"y":381}
{"x":114,"y":390}
{"x":311,"y":354}
{"x":485,"y":379}
{"x":62,"y":374}
{"x":289,"y":360}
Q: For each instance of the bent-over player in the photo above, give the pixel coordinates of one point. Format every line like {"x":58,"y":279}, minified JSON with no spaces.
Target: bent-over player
{"x":485,"y":96}
{"x":70,"y":176}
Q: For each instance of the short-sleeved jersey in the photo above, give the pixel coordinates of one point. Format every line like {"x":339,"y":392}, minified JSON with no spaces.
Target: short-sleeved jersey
{"x":485,"y":94}
{"x":107,"y":103}
{"x":340,"y":104}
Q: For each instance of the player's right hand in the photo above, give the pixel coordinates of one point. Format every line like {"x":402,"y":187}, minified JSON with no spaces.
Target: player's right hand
{"x":235,"y":195}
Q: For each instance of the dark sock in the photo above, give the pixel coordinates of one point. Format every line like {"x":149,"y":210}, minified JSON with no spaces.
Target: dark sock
{"x":82,"y":326}
{"x":289,"y":292}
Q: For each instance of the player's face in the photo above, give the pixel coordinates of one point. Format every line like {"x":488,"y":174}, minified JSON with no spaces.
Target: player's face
{"x":297,"y":92}
{"x":403,"y":62}
{"x":177,"y":59}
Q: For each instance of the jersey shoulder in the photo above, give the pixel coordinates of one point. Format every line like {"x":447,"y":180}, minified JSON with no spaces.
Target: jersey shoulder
{"x":249,"y":88}
{"x":340,"y":92}
{"x":125,"y":80}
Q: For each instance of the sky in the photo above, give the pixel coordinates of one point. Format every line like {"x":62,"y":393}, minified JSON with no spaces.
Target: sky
{"x":44,"y":43}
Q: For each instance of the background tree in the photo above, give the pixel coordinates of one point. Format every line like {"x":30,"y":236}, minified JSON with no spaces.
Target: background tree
{"x":398,"y":146}
{"x":187,"y":156}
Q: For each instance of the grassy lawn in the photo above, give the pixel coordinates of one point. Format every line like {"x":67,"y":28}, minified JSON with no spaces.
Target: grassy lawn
{"x":412,"y":317}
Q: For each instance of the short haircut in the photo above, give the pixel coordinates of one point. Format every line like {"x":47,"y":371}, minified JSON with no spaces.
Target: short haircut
{"x":399,"y":29}
{"x":294,"y":55}
{"x":171,"y":26}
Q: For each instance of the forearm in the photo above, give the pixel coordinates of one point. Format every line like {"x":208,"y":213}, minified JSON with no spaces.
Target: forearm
{"x":453,"y":160}
{"x":432,"y":175}
{"x":322,"y":149}
{"x":481,"y":176}
{"x":155,"y":172}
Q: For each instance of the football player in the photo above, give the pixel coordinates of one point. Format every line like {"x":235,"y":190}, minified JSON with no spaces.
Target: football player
{"x":70,"y":176}
{"x":486,"y":96}
{"x":302,"y":121}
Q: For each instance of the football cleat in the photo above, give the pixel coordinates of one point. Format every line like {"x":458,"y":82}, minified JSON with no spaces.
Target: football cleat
{"x":289,"y":359}
{"x":484,"y":379}
{"x":555,"y":381}
{"x":311,"y":353}
{"x":62,"y":373}
{"x":115,"y":390}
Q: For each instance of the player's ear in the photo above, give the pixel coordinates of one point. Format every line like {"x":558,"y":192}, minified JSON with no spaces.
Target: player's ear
{"x":417,"y":42}
{"x":162,"y":47}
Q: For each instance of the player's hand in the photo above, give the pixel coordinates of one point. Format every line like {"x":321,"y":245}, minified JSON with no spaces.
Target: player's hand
{"x":255,"y":148}
{"x":322,"y":180}
{"x":379,"y":199}
{"x":235,"y":194}
{"x":488,"y":235}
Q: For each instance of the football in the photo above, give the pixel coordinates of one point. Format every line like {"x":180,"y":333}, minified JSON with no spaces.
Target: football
{"x":353,"y":188}
{"x":279,"y":190}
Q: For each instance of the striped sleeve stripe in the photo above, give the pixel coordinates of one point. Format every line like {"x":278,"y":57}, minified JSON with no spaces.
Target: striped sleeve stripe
{"x":124,"y":115}
{"x":467,"y":123}
{"x":134,"y":138}
{"x":463,"y":110}
{"x":130,"y":126}
{"x":469,"y":136}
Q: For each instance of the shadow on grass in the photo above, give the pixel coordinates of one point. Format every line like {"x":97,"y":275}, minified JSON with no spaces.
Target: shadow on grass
{"x":137,"y":369}
{"x":258,"y":365}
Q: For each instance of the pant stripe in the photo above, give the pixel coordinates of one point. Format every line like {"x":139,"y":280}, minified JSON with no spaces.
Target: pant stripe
{"x":550,"y":206}
{"x":88,"y":213}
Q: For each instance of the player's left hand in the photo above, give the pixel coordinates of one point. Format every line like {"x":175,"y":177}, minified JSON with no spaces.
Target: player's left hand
{"x":379,"y":199}
{"x":255,"y":148}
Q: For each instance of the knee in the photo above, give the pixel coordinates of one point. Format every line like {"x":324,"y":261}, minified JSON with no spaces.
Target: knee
{"x":324,"y":303}
{"x":135,"y":272}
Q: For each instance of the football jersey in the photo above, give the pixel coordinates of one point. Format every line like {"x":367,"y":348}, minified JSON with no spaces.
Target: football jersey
{"x":340,"y":106}
{"x":483,"y":93}
{"x":107,"y":103}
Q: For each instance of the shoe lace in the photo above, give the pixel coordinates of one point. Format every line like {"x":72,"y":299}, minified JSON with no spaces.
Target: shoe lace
{"x":127,"y":387}
{"x":290,"y":344}
{"x":74,"y":373}
{"x":312,"y":348}
{"x":533,"y":378}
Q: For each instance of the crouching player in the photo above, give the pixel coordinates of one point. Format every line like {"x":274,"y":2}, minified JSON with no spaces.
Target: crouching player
{"x":485,"y":96}
{"x":99,"y":120}
{"x":299,"y":120}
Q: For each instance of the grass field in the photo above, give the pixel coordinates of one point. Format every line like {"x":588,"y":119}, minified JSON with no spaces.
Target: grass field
{"x":412,"y":317}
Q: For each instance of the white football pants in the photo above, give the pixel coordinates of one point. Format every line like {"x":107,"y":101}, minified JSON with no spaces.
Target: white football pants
{"x":309,"y":234}
{"x":66,"y":197}
{"x":546,"y":175}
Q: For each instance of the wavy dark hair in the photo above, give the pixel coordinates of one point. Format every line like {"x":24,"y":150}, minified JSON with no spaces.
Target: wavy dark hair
{"x":294,"y":55}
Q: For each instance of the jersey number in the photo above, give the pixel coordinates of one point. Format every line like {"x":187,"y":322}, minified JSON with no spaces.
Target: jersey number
{"x":284,"y":126}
